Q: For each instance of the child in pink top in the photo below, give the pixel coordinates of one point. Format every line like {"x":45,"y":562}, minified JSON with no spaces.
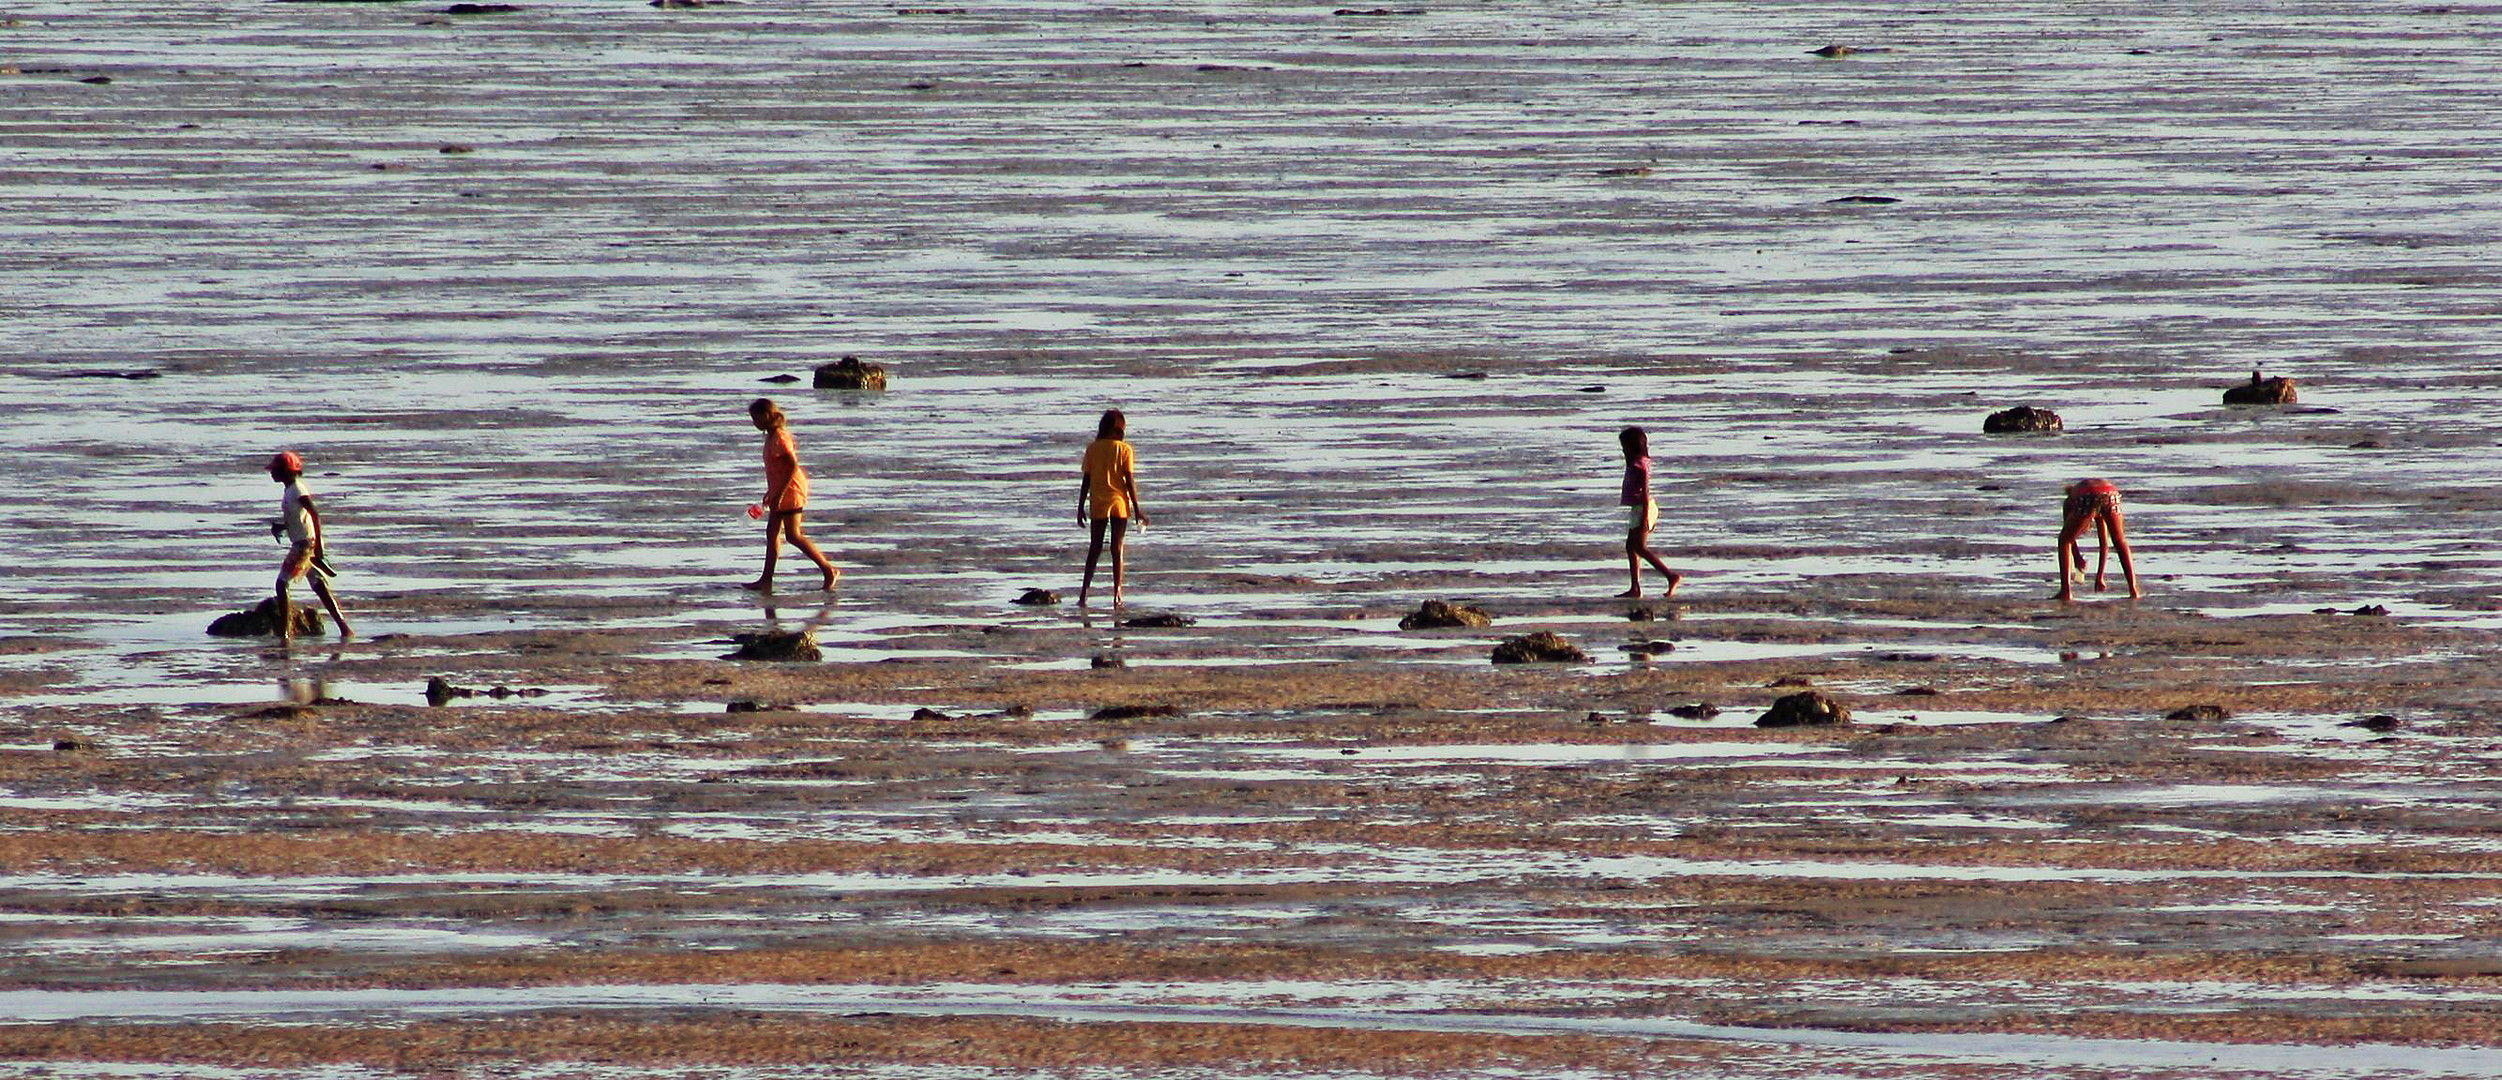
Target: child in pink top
{"x":786,"y":495}
{"x":1643,"y":512}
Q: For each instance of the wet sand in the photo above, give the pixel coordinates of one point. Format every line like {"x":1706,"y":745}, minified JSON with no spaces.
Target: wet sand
{"x":1377,"y":292}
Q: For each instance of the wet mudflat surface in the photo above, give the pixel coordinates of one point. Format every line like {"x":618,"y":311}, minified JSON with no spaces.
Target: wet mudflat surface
{"x":1377,"y":290}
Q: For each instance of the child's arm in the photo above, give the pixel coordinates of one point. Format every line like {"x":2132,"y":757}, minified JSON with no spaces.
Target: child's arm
{"x":1085,"y":488}
{"x":1136,"y":509}
{"x":313,"y":514}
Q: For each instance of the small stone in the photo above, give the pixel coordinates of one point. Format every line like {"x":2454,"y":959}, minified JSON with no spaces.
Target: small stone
{"x":1864,"y":200}
{"x":1542,"y":647}
{"x":1107,"y":661}
{"x":1650,"y":648}
{"x":784,"y":378}
{"x":1832,"y":52}
{"x":1159,"y":622}
{"x":1790,"y":680}
{"x":1700,"y":710}
{"x":1808,"y":709}
{"x":850,"y":374}
{"x":72,"y":743}
{"x":2206,"y":713}
{"x":2022,"y":418}
{"x":455,"y":148}
{"x":745,"y":705}
{"x":2370,"y":609}
{"x":98,"y":80}
{"x":1916,"y":691}
{"x":480,"y":9}
{"x":1641,"y":614}
{"x":928,"y":714}
{"x":1037,"y":598}
{"x":1440,"y":615}
{"x":2379,"y":722}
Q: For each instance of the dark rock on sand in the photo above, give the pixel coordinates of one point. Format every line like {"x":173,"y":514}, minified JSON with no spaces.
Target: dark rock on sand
{"x":440,"y":691}
{"x":744,"y":705}
{"x":1136,"y":712}
{"x":1345,"y":13}
{"x":1106,"y":661}
{"x":100,"y":373}
{"x":1650,"y":648}
{"x":262,"y":620}
{"x":455,"y":148}
{"x":98,"y":80}
{"x":779,"y":379}
{"x":1916,"y":691}
{"x":849,"y":373}
{"x":1641,"y":614}
{"x":2278,"y":390}
{"x":480,"y":9}
{"x":2370,"y":609}
{"x":2381,"y":722}
{"x":1700,"y":710}
{"x":926,"y":713}
{"x":1543,"y":647}
{"x":1159,"y":622}
{"x":1037,"y":598}
{"x":1864,"y":200}
{"x":1805,"y":709}
{"x":1832,"y":52}
{"x":2022,"y":418}
{"x":2200,"y":713}
{"x":1440,"y":615}
{"x":776,"y":645}
{"x":72,"y":743}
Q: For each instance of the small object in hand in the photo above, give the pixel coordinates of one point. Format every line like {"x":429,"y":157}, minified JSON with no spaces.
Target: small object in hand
{"x":755,"y":510}
{"x":321,"y":565}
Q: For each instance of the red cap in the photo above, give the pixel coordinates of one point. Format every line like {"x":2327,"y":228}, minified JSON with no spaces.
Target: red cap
{"x":286,"y":461}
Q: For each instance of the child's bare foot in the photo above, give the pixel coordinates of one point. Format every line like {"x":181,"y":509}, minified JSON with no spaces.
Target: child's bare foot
{"x":758,"y":585}
{"x":1674,"y":579}
{"x":831,"y":576}
{"x":1633,"y":593}
{"x":2065,"y":597}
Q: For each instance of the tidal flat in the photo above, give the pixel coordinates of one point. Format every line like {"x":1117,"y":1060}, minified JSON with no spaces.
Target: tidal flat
{"x":1377,"y":288}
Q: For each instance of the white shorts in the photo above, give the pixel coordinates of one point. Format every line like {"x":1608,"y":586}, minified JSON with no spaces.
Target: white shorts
{"x":1641,"y":518}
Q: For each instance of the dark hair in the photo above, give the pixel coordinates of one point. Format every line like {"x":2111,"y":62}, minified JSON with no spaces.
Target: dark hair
{"x":1636,"y":442}
{"x":764,"y":409}
{"x":1113,"y":425}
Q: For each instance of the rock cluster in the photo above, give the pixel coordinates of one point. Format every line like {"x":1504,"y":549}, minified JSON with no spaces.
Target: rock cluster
{"x":1439,"y":615}
{"x":1038,"y":598}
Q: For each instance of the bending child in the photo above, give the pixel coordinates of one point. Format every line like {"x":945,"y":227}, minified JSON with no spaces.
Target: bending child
{"x":300,"y":522}
{"x":1644,"y":513}
{"x":786,"y":495}
{"x":2097,"y":503}
{"x":1107,"y":497}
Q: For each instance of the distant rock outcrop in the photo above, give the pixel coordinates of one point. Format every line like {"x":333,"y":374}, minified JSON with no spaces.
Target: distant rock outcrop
{"x":2276,"y":390}
{"x":850,"y":374}
{"x":2022,"y":418}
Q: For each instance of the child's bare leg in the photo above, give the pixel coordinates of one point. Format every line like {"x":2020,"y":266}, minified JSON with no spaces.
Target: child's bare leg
{"x":322,"y":589}
{"x":1673,"y":577}
{"x":286,"y":609}
{"x":1120,"y":532}
{"x":1633,"y":564}
{"x":773,"y":551}
{"x":2069,"y":530}
{"x":1094,"y":554}
{"x":799,"y":539}
{"x":2128,"y":566}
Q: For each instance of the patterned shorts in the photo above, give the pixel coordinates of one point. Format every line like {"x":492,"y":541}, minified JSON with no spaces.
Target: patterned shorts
{"x":2085,"y":505}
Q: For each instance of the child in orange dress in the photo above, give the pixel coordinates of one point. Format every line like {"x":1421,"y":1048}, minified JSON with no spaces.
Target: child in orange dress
{"x":1107,"y":496}
{"x":786,"y":495}
{"x":300,"y":522}
{"x":2096,"y":503}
